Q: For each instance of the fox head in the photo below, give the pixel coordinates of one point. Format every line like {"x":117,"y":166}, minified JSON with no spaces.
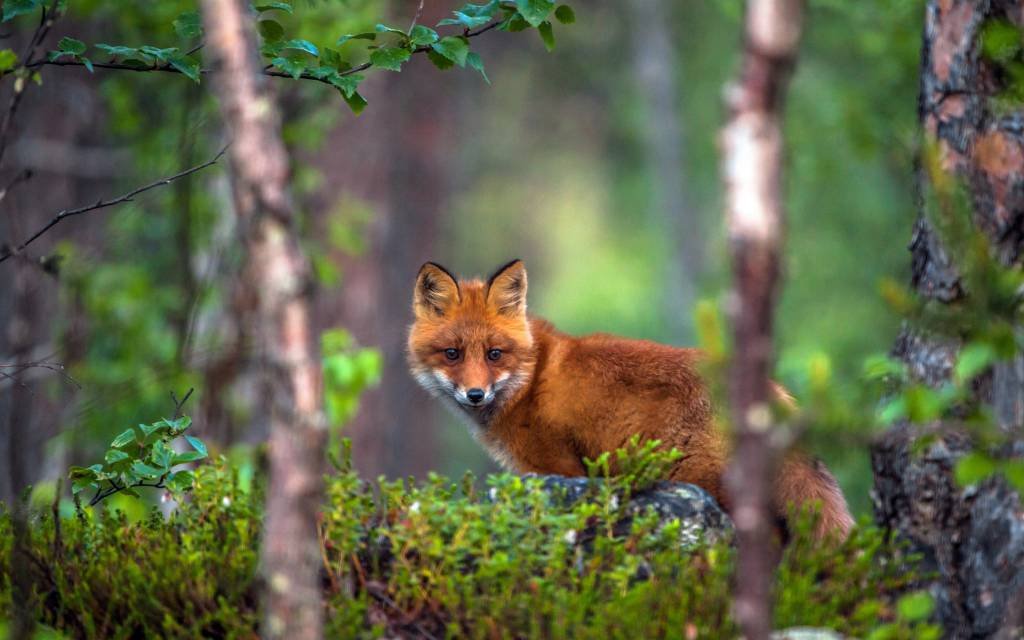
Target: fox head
{"x":470,"y":341}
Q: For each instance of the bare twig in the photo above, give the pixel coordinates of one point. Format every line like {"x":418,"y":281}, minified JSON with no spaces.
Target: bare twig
{"x":56,"y":367}
{"x":178,"y":404}
{"x":102,"y":204}
{"x":22,"y":176}
{"x":416,"y":18}
{"x":47,"y":18}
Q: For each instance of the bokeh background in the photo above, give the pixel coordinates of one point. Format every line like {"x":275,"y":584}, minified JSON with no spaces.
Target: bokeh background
{"x":596,"y":163}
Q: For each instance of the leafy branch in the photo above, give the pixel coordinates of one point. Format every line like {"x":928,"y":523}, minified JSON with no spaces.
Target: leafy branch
{"x":143,"y":457}
{"x":9,"y":252}
{"x":386,"y":47}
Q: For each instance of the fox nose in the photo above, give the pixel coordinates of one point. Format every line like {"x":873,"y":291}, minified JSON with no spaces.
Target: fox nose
{"x":475,"y":395}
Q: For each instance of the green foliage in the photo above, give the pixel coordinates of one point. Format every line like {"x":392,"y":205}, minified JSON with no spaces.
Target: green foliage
{"x":448,"y":559}
{"x":348,"y":371}
{"x":143,"y":456}
{"x":301,"y":58}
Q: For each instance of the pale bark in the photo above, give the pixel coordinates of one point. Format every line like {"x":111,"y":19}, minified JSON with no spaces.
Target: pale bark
{"x":280,"y":277}
{"x":752,"y":148}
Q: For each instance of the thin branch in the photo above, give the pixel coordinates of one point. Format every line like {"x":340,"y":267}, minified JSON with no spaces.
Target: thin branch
{"x":416,"y":18}
{"x":102,"y":204}
{"x":178,"y":404}
{"x":46,"y":21}
{"x":269,"y":71}
{"x":22,"y":176}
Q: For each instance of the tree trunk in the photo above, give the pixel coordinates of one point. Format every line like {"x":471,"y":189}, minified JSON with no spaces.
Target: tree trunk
{"x":752,"y":149}
{"x":280,"y":276}
{"x":654,"y":57}
{"x":973,"y":538}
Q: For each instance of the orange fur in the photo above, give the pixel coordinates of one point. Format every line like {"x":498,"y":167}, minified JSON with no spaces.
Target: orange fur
{"x":551,"y":399}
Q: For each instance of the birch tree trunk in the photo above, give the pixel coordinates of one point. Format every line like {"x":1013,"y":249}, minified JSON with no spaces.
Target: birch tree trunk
{"x":973,"y":539}
{"x":752,"y":149}
{"x":279,"y":274}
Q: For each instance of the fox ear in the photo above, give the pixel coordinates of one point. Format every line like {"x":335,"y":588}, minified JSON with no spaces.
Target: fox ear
{"x":506,"y":289}
{"x":436,"y":291}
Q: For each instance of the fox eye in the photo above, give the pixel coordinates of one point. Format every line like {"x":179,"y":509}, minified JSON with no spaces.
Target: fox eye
{"x":451,"y":354}
{"x":493,"y":354}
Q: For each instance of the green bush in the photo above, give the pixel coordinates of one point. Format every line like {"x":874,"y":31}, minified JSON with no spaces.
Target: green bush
{"x":437,"y":559}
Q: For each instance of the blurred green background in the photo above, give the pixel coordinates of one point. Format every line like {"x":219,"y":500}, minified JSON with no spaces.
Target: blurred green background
{"x":596,"y":163}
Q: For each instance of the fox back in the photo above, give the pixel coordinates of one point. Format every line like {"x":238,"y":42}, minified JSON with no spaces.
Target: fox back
{"x":542,"y":401}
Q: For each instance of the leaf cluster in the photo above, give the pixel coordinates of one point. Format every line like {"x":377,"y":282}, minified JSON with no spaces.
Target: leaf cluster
{"x":143,"y":456}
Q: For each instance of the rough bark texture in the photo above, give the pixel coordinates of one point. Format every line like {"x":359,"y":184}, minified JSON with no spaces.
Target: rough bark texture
{"x":753,"y":158}
{"x":973,"y":538}
{"x":279,"y":273}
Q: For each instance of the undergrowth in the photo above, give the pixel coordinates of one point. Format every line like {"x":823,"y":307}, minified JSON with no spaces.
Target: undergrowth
{"x":442,"y":559}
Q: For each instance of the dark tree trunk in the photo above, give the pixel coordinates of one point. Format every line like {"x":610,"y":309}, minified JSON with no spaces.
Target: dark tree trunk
{"x":752,"y":159}
{"x":280,"y":277}
{"x":973,"y":538}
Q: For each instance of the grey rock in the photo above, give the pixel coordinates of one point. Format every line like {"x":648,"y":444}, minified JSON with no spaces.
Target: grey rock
{"x":701,"y":519}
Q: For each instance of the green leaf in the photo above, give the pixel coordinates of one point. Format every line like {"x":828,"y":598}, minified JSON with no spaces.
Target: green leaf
{"x":465,"y":20}
{"x":188,"y":25}
{"x":302,"y":45}
{"x":188,"y":456}
{"x":72,"y":46}
{"x":439,"y":60}
{"x":973,"y":468}
{"x":146,"y":471}
{"x":535,"y":11}
{"x":476,"y":62}
{"x":1014,"y":472}
{"x":163,"y":55}
{"x":271,"y":30}
{"x":975,"y":358}
{"x":547,"y":35}
{"x":292,"y":66}
{"x":180,"y":481}
{"x":8,"y":59}
{"x":383,"y":28}
{"x":126,"y":438}
{"x":162,"y":455}
{"x":347,"y":84}
{"x":114,"y":456}
{"x":77,"y":486}
{"x":356,"y":102}
{"x":86,"y":62}
{"x":118,"y":51}
{"x":189,"y":67}
{"x":87,"y":473}
{"x":356,"y":36}
{"x":915,"y":607}
{"x":390,"y":58}
{"x":421,"y":36}
{"x":197,"y":444}
{"x":516,"y":23}
{"x":14,"y":8}
{"x":332,"y":59}
{"x":454,"y":48}
{"x":270,"y":6}
{"x":565,"y":14}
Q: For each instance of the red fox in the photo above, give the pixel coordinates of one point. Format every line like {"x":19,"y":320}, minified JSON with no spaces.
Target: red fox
{"x":541,"y":401}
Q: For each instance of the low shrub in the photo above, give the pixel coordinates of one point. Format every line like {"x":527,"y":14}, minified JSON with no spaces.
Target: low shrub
{"x":440,"y":559}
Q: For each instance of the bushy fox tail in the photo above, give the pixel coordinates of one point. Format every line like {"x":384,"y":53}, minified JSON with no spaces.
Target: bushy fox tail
{"x":805,"y":482}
